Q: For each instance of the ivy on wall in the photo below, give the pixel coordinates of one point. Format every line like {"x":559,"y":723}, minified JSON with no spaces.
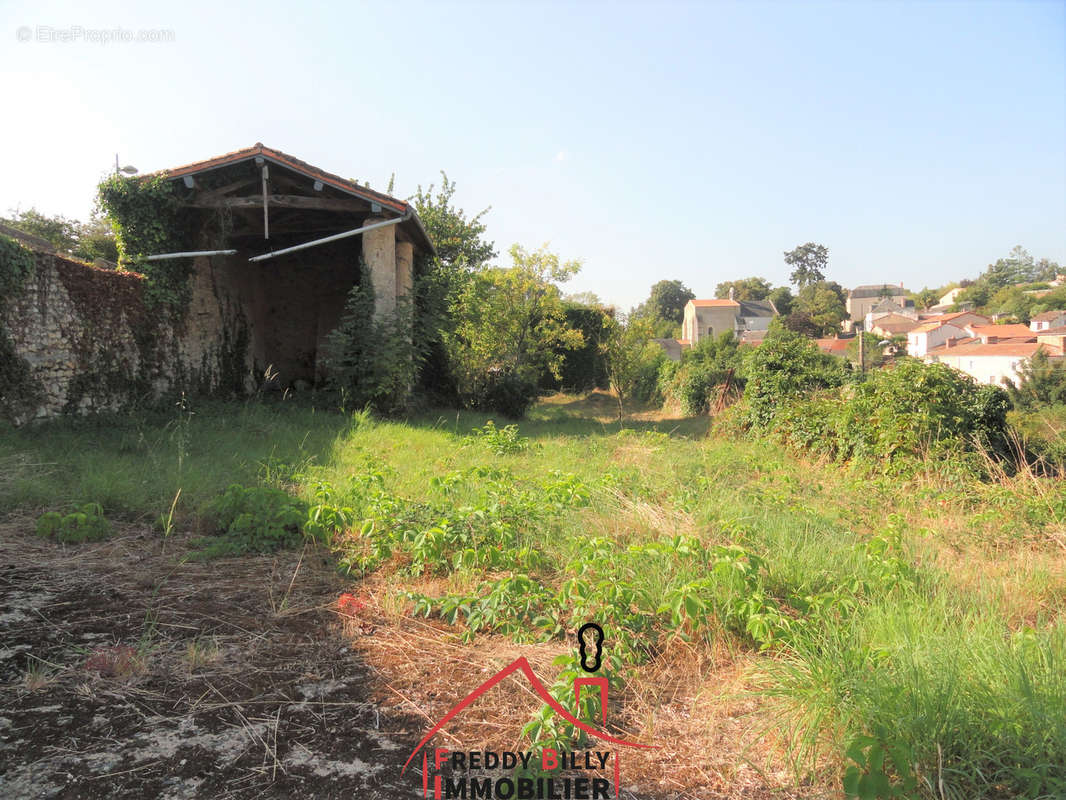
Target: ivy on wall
{"x":19,"y":392}
{"x":148,"y":219}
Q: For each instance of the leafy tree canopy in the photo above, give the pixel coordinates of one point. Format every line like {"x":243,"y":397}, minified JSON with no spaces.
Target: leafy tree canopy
{"x":90,"y":240}
{"x":823,"y":302}
{"x":808,"y":263}
{"x":511,"y":321}
{"x":745,"y":289}
{"x":666,"y":301}
{"x":459,"y":241}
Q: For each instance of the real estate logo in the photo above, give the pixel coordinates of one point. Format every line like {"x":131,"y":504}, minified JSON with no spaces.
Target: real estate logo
{"x":561,"y":775}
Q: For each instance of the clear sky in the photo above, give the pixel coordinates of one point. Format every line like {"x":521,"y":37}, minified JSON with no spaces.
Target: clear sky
{"x":917,"y":141}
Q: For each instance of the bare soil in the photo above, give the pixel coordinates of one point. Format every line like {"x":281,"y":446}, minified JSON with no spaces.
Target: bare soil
{"x":127,"y":673}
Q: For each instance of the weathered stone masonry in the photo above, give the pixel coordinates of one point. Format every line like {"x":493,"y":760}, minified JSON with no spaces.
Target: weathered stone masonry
{"x":91,"y":343}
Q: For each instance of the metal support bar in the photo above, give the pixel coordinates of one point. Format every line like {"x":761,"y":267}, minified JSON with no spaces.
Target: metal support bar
{"x":326,"y":239}
{"x":191,"y":254}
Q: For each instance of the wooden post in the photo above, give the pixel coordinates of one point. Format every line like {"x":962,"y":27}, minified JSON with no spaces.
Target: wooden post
{"x":862,"y":352}
{"x":266,"y":215}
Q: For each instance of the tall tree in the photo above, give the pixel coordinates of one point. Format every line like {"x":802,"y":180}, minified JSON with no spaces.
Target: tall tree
{"x":745,"y":289}
{"x":666,"y":301}
{"x":808,"y":263}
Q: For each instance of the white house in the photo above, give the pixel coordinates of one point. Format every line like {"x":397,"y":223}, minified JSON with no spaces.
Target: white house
{"x":929,"y":335}
{"x":1047,"y":320}
{"x":995,"y":362}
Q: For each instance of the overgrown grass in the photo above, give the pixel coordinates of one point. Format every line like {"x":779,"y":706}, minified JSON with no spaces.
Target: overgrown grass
{"x":896,"y":645}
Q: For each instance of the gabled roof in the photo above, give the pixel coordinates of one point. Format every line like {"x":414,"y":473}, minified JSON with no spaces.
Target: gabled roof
{"x":1047,"y":316}
{"x":757,"y":308}
{"x":715,"y":303}
{"x":271,"y":155}
{"x":877,"y":290}
{"x":933,"y":324}
{"x":1015,"y":331}
{"x":1011,"y":348}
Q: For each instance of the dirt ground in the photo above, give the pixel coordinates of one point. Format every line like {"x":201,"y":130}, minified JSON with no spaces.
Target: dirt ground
{"x":125,"y":673}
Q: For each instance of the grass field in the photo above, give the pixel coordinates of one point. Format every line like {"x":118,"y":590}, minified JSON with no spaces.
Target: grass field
{"x":897,"y":638}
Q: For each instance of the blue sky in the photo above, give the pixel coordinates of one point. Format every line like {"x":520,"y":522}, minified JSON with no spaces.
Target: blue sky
{"x":917,"y":141}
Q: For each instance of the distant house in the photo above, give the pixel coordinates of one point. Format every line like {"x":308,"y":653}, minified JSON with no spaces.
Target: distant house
{"x":937,"y":330}
{"x":711,"y":318}
{"x":893,"y":325}
{"x":994,"y":362}
{"x":1047,"y":320}
{"x":951,"y":297}
{"x":672,"y":347}
{"x":862,"y":299}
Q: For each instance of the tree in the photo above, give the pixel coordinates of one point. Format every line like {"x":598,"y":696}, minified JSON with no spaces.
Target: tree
{"x":744,"y":289}
{"x":590,"y":299}
{"x":1041,"y":382}
{"x":89,"y":241}
{"x":626,"y":352}
{"x":61,"y":232}
{"x":800,"y":322}
{"x":1018,"y":267}
{"x":926,"y":297}
{"x":823,"y":302}
{"x":459,"y":241}
{"x":808,"y":263}
{"x":666,"y":301}
{"x":782,"y":299}
{"x":509,"y":327}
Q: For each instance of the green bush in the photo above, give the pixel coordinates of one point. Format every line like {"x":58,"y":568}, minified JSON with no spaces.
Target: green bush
{"x":1042,"y":382}
{"x":502,"y":391}
{"x":902,"y":414}
{"x":373,"y":362}
{"x":785,"y":367}
{"x":694,"y":382}
{"x":255,"y":520}
{"x":87,"y":524}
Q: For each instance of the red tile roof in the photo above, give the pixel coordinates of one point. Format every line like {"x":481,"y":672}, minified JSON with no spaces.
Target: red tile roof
{"x":715,"y":303}
{"x":284,"y":159}
{"x":832,"y":345}
{"x":1014,"y":331}
{"x":1047,"y":316}
{"x":1010,"y":348}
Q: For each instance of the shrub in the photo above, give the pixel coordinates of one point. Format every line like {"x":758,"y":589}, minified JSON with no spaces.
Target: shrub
{"x":703,"y":369}
{"x":373,"y":362}
{"x":501,"y":441}
{"x":502,"y":391}
{"x":255,"y":520}
{"x":87,"y":524}
{"x":785,"y":367}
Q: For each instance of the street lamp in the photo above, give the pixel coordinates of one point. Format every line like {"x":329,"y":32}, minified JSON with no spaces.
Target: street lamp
{"x":127,"y":169}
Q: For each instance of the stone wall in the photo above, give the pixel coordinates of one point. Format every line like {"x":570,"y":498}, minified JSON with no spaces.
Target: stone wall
{"x":91,"y":344}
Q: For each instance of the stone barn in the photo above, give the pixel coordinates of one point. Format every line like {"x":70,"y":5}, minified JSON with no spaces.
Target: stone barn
{"x":272,"y":247}
{"x":291,"y":237}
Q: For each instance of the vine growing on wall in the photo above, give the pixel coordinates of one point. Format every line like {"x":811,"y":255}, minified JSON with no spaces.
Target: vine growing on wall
{"x":18,"y":390}
{"x":148,"y":219}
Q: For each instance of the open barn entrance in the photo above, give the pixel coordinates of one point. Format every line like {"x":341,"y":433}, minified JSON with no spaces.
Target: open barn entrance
{"x":297,"y":236}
